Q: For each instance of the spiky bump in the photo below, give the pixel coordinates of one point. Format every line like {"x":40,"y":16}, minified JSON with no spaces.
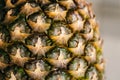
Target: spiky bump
{"x":77,"y":67}
{"x":11,"y":15}
{"x":59,"y":57}
{"x":39,"y":43}
{"x":19,"y":53}
{"x":29,"y":8}
{"x":91,"y":53}
{"x":39,"y":22}
{"x":77,"y":44}
{"x":92,"y":74}
{"x":56,"y":12}
{"x":60,"y":33}
{"x":37,"y":69}
{"x":19,"y":30}
{"x":75,"y":20}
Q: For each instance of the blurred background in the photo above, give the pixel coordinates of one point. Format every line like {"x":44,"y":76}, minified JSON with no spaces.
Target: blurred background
{"x":108,"y":17}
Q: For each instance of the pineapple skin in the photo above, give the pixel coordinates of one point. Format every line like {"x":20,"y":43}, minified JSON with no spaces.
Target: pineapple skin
{"x":49,"y":40}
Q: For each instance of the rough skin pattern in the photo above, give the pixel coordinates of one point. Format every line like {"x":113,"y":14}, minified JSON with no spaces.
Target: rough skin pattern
{"x":49,"y":40}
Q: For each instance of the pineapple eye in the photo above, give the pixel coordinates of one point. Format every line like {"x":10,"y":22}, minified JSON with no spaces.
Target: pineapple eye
{"x":76,"y":44}
{"x":59,"y":57}
{"x":18,"y":48}
{"x":58,"y":75}
{"x":59,"y":28}
{"x":37,"y":69}
{"x":73,"y":16}
{"x":34,"y":38}
{"x":60,"y":33}
{"x":89,"y":48}
{"x":87,"y":28}
{"x":20,"y":23}
{"x":57,"y":52}
{"x":96,"y":36}
{"x":77,"y":63}
{"x":9,"y":15}
{"x":92,"y":74}
{"x":19,"y":30}
{"x":90,"y":52}
{"x":39,"y":44}
{"x":29,"y":8}
{"x":76,"y":40}
{"x":20,"y":55}
{"x":100,"y":62}
{"x":77,"y":67}
{"x":100,"y":58}
{"x":56,"y":12}
{"x":38,"y":64}
{"x":39,"y":22}
{"x":34,"y":17}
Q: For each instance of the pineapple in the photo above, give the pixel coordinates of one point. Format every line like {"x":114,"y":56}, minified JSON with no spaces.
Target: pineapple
{"x":49,"y":40}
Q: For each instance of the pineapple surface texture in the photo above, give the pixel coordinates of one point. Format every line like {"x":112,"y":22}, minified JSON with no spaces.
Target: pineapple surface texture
{"x":49,"y":40}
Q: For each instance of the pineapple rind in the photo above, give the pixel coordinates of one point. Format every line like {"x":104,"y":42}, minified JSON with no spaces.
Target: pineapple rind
{"x":49,"y":40}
